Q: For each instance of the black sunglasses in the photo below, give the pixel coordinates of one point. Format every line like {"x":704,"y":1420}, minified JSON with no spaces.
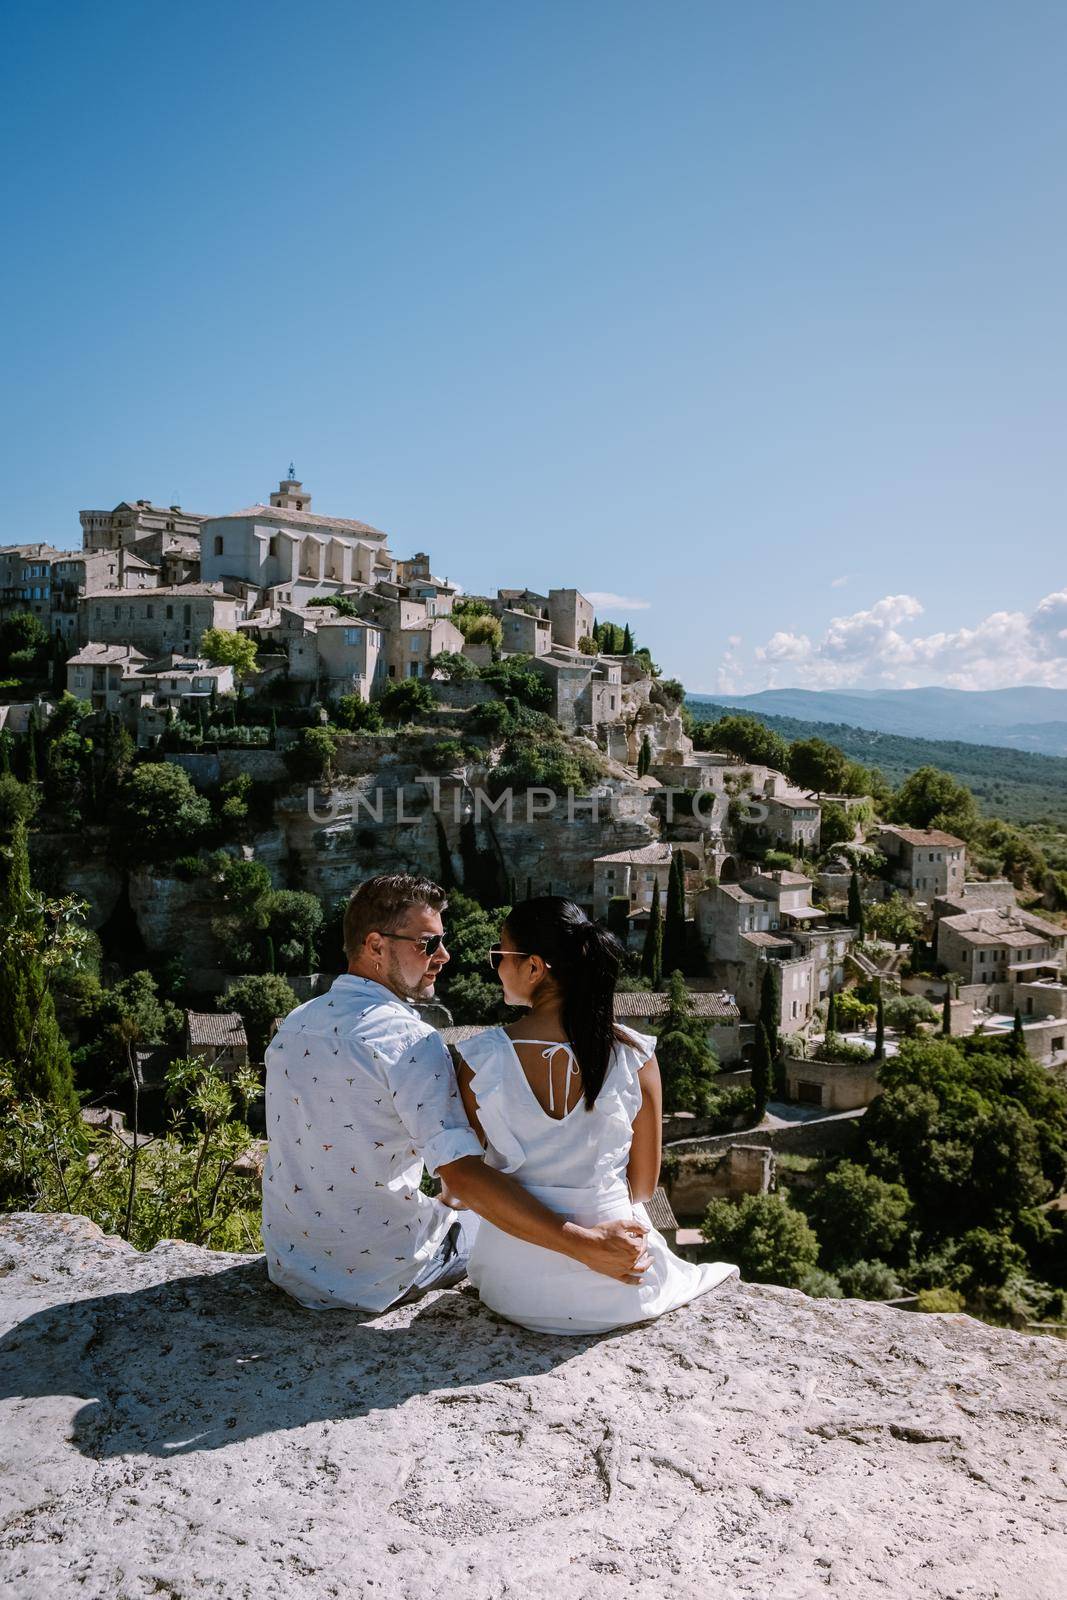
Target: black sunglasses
{"x":428,"y":943}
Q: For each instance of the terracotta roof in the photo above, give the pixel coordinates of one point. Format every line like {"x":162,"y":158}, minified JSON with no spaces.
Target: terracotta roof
{"x":644,"y":1003}
{"x":795,"y":802}
{"x":1007,"y":926}
{"x":100,"y":655}
{"x":767,"y":940}
{"x":926,"y":836}
{"x":644,"y":855}
{"x":180,"y":591}
{"x":223,"y":1030}
{"x":301,"y":519}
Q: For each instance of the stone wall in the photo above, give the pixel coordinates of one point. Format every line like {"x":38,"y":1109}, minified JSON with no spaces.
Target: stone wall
{"x":728,"y":1174}
{"x":833,"y":1135}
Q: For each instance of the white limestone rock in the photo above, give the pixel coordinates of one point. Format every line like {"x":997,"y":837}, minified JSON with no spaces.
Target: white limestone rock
{"x":173,"y":1426}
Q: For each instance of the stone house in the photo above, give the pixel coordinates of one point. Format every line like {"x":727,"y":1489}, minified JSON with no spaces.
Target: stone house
{"x":150,"y":691}
{"x":720,"y":1014}
{"x":844,"y":1086}
{"x":586,"y":690}
{"x":633,"y":874}
{"x":218,"y":1038}
{"x":350,"y":655}
{"x":26,"y":579}
{"x":523,"y":634}
{"x":158,"y":621}
{"x":792,"y":821}
{"x":924,"y":863}
{"x":97,"y":671}
{"x":571,"y":616}
{"x":1010,"y":958}
{"x":995,"y":894}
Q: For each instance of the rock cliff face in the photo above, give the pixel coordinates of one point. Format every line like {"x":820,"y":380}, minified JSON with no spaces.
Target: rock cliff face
{"x":175,"y":1427}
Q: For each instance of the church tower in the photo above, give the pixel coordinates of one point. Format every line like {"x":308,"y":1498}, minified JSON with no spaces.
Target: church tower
{"x":290,"y":494}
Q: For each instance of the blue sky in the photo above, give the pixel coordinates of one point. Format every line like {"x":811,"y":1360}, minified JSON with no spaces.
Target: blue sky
{"x":751,"y":314}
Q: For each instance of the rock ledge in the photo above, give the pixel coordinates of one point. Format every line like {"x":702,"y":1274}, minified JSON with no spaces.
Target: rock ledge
{"x":175,"y":1427}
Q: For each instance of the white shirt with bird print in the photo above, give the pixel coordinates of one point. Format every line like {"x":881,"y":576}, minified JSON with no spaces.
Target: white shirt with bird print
{"x":361,"y":1098}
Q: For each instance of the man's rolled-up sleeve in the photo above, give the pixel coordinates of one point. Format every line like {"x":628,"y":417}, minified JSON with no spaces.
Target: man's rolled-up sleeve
{"x":426,"y":1098}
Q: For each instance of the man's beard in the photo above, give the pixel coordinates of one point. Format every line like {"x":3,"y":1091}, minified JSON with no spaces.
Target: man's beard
{"x":422,"y":989}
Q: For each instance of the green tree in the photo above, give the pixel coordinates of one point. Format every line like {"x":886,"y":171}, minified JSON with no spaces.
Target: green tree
{"x":295,"y":921}
{"x":18,"y":803}
{"x":652,"y":953}
{"x":930,"y":798}
{"x":835,"y":827}
{"x":354,"y":714}
{"x":406,"y":700}
{"x":1018,"y":1036}
{"x":814,"y":764}
{"x":674,"y":930}
{"x":746,"y":737}
{"x":627,"y":641}
{"x":908,"y":1013}
{"x":311,"y":758}
{"x":879,"y":1028}
{"x":831,"y":1012}
{"x":160,"y":814}
{"x":258,"y":999}
{"x":687,"y":1062}
{"x":858,"y":1215}
{"x":946,"y":1012}
{"x":23,"y":641}
{"x":34,"y":937}
{"x":856,"y":917}
{"x":764,"y":1236}
{"x":895,"y":920}
{"x":644,"y":756}
{"x":225,"y":649}
{"x":762,"y":1071}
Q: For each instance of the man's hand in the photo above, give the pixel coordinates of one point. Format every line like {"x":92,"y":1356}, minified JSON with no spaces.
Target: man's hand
{"x":615,"y":1249}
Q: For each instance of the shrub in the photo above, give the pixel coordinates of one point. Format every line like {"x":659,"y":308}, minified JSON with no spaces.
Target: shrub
{"x":406,"y":701}
{"x":858,"y":1215}
{"x":764,"y":1236}
{"x":311,"y":758}
{"x":939,"y":1299}
{"x":160,"y":813}
{"x":354,"y":714}
{"x":819,"y":1285}
{"x":444,"y":756}
{"x":907,"y":1012}
{"x":869,"y":1280}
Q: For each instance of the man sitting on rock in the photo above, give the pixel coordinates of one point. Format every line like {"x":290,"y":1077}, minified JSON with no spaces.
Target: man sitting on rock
{"x":361,"y":1100}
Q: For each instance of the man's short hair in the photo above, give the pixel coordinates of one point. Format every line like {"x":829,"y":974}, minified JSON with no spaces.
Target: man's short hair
{"x":380,"y":904}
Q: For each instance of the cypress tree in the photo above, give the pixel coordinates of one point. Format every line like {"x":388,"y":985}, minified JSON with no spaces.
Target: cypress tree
{"x":31,"y":755}
{"x":627,"y":641}
{"x":596,"y":633}
{"x":674,"y":923}
{"x":29,"y":1034}
{"x":761,"y":1071}
{"x":946,"y":1010}
{"x":652,"y":954}
{"x":644,"y":757}
{"x":769,"y":1013}
{"x":5,"y":753}
{"x":687,"y":1061}
{"x":831,"y":1013}
{"x":855,"y":904}
{"x":1017,"y":1048}
{"x":879,"y":1029}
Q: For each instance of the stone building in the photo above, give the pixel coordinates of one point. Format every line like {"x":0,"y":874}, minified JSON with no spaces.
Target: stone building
{"x":26,"y":579}
{"x":157,"y":620}
{"x":633,"y":874}
{"x":523,"y":634}
{"x":218,"y":1038}
{"x":835,"y":1086}
{"x":289,"y":549}
{"x":586,"y":690}
{"x":133,"y":520}
{"x":1009,"y":957}
{"x":923,"y":863}
{"x":792,"y":821}
{"x":720,"y":1014}
{"x":96,"y":673}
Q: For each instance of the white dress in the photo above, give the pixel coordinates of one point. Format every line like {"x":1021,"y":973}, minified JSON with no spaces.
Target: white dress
{"x":575,"y":1165}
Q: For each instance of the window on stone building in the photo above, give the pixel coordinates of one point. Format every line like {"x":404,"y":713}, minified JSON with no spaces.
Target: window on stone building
{"x":170,"y":613}
{"x":218,"y":544}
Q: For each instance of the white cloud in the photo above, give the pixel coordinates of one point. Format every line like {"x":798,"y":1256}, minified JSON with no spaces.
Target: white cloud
{"x":877,"y":648}
{"x":839,"y":583}
{"x":604,"y":600}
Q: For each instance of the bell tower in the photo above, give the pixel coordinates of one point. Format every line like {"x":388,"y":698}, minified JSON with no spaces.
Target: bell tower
{"x":290,"y":494}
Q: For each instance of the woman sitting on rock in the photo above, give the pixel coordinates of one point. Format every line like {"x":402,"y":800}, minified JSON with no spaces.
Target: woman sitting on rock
{"x":571,"y":1104}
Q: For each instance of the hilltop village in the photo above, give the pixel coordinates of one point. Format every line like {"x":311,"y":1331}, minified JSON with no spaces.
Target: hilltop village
{"x":215,"y":726}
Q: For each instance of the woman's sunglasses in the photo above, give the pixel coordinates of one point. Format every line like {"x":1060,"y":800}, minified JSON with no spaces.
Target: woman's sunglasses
{"x":496,"y":956}
{"x":428,"y":943}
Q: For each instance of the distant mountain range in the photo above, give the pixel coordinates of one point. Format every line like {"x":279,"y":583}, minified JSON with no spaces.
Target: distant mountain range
{"x":1025,"y":719}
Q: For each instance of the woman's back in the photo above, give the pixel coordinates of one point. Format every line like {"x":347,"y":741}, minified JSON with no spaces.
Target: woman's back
{"x":546,"y":1132}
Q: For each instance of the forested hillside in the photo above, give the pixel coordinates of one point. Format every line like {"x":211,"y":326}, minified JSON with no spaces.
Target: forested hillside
{"x":1017,"y":786}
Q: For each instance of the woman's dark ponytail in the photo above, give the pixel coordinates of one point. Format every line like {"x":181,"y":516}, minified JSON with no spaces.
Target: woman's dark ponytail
{"x":585,"y":960}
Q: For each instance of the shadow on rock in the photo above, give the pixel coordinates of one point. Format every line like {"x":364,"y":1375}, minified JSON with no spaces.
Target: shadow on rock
{"x":199,"y":1362}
